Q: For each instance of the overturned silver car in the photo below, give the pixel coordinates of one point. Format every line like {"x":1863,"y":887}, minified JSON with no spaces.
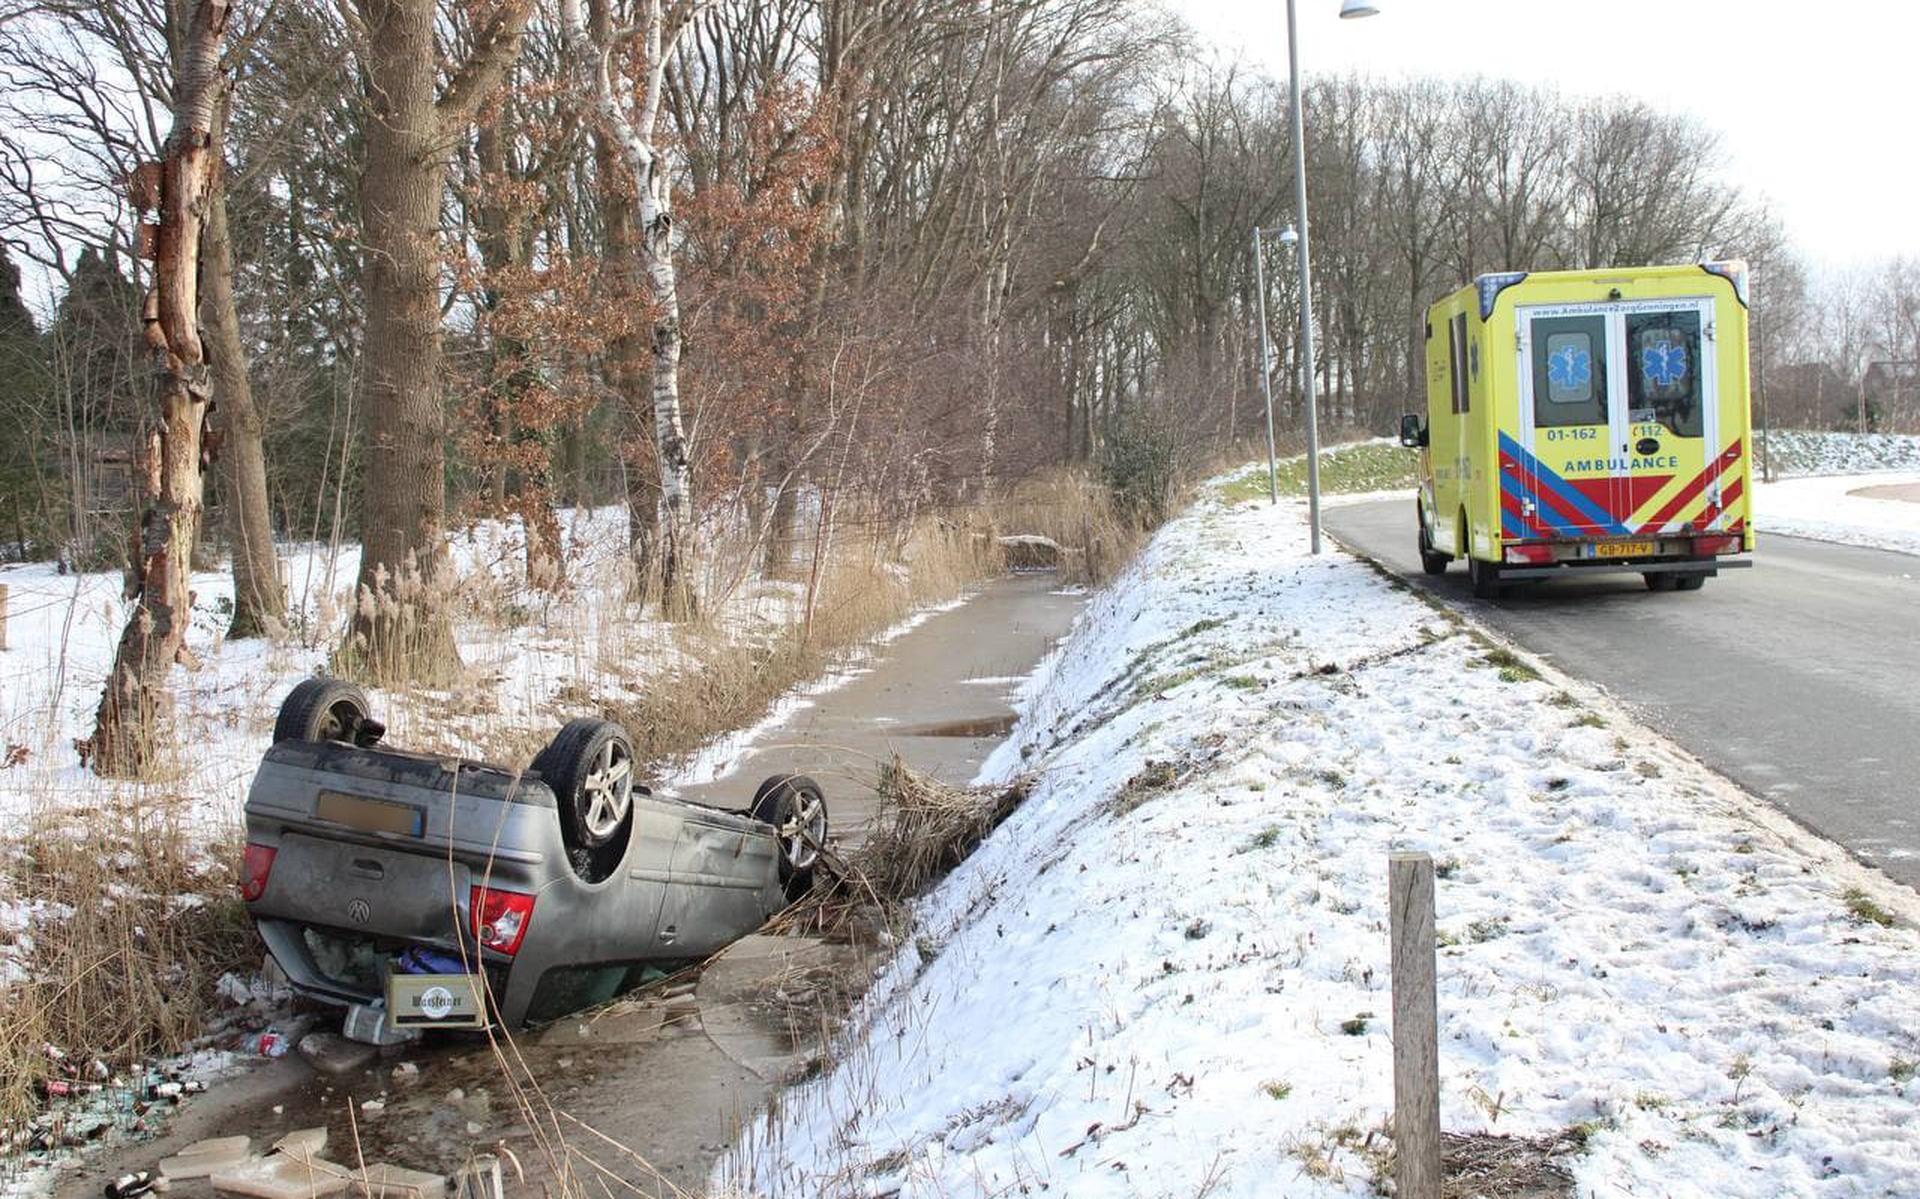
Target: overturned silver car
{"x":442,"y":892}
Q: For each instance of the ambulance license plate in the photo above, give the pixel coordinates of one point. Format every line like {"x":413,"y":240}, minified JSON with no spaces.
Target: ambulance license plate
{"x":435,"y":1001}
{"x":1623,"y":549}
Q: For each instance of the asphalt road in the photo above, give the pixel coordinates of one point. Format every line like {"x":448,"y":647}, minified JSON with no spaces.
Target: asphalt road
{"x":1799,"y":679}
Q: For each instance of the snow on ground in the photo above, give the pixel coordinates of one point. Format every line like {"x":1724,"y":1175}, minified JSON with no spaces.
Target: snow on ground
{"x":1808,"y":452}
{"x":526,"y":652}
{"x":1167,"y":973}
{"x":1829,"y":509}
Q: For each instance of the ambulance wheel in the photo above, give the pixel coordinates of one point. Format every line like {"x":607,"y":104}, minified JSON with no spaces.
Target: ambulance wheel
{"x":1689,"y":582}
{"x":1485,"y":577}
{"x":1660,"y":580}
{"x":1431,"y":560}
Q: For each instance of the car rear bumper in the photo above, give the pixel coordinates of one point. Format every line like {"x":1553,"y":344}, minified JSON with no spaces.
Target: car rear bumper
{"x":1601,"y":566}
{"x":288,"y":942}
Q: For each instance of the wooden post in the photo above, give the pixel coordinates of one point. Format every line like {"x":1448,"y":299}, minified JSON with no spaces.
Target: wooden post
{"x":3,"y":616}
{"x":1416,"y":1027}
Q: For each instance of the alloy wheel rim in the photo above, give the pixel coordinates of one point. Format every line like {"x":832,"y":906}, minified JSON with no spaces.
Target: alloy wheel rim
{"x":608,"y":790}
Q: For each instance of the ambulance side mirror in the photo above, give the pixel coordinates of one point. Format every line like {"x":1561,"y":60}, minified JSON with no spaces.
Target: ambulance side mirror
{"x":1413,"y":431}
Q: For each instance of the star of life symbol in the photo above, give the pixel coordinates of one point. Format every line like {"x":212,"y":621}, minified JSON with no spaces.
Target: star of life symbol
{"x":1570,"y":367}
{"x":1664,"y":363}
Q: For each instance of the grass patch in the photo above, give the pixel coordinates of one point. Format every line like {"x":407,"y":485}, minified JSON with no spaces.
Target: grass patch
{"x":1356,"y":1026}
{"x":1354,"y":467}
{"x":1863,"y":910}
{"x":1512,"y":668}
{"x":1278,"y":1088}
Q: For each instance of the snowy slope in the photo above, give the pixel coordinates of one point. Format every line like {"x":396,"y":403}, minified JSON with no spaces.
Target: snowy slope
{"x":1810,"y":452}
{"x":1167,"y":974}
{"x":1828,"y":509}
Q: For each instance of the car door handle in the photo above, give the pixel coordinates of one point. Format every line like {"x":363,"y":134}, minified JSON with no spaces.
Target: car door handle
{"x":368,"y":868}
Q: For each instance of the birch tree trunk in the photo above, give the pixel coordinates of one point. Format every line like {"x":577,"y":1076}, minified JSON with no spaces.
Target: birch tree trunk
{"x":135,"y":698}
{"x":630,"y":127}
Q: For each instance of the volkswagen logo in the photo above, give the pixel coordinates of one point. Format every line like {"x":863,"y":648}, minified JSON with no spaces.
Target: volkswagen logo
{"x":359,"y":911}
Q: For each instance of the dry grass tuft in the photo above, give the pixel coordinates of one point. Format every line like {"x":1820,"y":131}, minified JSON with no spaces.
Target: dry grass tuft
{"x":137,"y":917}
{"x":1507,"y":1167}
{"x":922,"y":829}
{"x":1076,"y":510}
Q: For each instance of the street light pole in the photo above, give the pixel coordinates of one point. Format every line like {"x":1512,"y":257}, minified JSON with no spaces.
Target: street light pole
{"x":1266,"y":364}
{"x":1348,"y":9}
{"x":1306,"y":285}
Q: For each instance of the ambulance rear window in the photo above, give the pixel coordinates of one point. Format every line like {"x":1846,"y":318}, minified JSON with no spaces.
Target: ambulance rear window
{"x":1569,"y":371}
{"x":1663,"y":379}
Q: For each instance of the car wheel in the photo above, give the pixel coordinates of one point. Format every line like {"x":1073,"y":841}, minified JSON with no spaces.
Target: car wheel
{"x":1485,"y":577}
{"x":1431,"y":560}
{"x":321,"y":710}
{"x":797,"y":809}
{"x":589,"y":767}
{"x":1689,"y":582}
{"x":1659,"y":580}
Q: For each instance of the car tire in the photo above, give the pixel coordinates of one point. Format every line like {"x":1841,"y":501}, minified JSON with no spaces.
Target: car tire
{"x":1432,"y":561}
{"x":1485,"y":577}
{"x":1693,"y":582}
{"x":797,"y":809}
{"x":1660,"y":580}
{"x":589,"y":767}
{"x":321,"y":710}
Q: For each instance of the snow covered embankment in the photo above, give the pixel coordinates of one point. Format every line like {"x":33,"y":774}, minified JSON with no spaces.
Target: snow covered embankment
{"x":1167,"y":974}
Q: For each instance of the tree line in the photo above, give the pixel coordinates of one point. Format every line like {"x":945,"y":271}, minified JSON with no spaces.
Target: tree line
{"x":746,"y":264}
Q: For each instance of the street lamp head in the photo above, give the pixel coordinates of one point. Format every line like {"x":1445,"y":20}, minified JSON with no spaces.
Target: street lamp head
{"x":1350,"y":9}
{"x":1288,"y":236}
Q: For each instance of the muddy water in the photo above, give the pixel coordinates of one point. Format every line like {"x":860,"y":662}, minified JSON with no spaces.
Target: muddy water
{"x":640,"y":1092}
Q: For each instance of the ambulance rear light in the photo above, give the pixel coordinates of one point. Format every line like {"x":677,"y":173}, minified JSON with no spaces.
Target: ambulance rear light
{"x":1531,"y":555}
{"x":1733,"y":271}
{"x":1707,"y":547}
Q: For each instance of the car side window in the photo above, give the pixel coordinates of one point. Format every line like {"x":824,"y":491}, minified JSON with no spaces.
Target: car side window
{"x":1457,"y":346}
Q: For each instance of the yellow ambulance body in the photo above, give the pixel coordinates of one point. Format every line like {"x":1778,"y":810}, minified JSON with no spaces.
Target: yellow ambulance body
{"x":1583,"y":421}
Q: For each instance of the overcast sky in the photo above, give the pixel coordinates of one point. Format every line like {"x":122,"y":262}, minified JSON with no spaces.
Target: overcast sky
{"x":1816,"y":101}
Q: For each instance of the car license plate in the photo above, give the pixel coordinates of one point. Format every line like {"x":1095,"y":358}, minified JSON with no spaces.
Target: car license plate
{"x":435,"y":1001}
{"x":1623,"y":549}
{"x":369,"y":815}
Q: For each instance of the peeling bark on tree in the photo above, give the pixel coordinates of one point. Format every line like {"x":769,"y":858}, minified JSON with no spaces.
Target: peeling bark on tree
{"x":135,"y":698}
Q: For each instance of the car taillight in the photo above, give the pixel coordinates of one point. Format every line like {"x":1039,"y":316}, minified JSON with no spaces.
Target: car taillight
{"x":1539,"y":555}
{"x":255,"y":866}
{"x":1704,"y":547}
{"x":500,"y":918}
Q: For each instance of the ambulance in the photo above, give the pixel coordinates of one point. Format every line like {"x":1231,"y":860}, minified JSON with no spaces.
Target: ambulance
{"x":1581,"y":422}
